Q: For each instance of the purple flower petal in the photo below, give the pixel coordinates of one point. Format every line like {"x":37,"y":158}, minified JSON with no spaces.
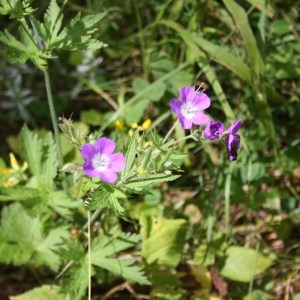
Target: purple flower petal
{"x":234,"y":127}
{"x":175,"y":105}
{"x":89,"y":169}
{"x":105,"y":146}
{"x":200,"y":119}
{"x":189,"y":108}
{"x":87,"y":151}
{"x":101,"y":161}
{"x":109,"y":176}
{"x":117,"y":161}
{"x":186,"y":92}
{"x":185,"y":123}
{"x":213,"y":130}
{"x":232,"y":145}
{"x":202,"y":101}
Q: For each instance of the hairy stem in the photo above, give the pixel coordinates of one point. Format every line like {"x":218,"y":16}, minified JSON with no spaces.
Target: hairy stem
{"x":89,"y":256}
{"x":53,"y":117}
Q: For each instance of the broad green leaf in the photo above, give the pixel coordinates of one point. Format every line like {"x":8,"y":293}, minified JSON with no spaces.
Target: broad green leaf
{"x":134,"y":113}
{"x":98,"y":199}
{"x":18,"y":232}
{"x":122,"y":268}
{"x":49,"y":163}
{"x":76,"y":279}
{"x":19,"y":193}
{"x":109,"y":245}
{"x":165,"y":243}
{"x":154,"y":94}
{"x":45,"y":292}
{"x":23,"y":238}
{"x":62,"y":203}
{"x":41,"y":156}
{"x":44,"y":252}
{"x":31,"y":150}
{"x":106,"y":246}
{"x":243,"y":264}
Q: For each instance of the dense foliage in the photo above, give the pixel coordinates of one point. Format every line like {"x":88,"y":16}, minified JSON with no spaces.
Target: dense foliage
{"x":182,"y":220}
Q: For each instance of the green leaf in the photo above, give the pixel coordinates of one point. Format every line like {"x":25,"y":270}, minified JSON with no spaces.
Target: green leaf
{"x":41,"y":156}
{"x":19,"y":193}
{"x":52,"y":22}
{"x":18,"y":234}
{"x":45,"y":292}
{"x":123,"y":268}
{"x":45,"y":254}
{"x":76,"y":279}
{"x":31,"y":150}
{"x":243,"y":264}
{"x":130,"y":153}
{"x":61,"y":202}
{"x":258,"y":295}
{"x":106,"y":246}
{"x":155,"y":93}
{"x":217,"y":53}
{"x":22,"y":239}
{"x":165,"y":243}
{"x":143,"y":182}
{"x":109,"y":245}
{"x":78,"y":34}
{"x":241,"y":20}
{"x":16,"y":9}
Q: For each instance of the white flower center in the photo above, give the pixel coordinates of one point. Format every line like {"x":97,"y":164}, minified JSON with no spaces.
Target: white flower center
{"x":189,"y":111}
{"x":101,"y":162}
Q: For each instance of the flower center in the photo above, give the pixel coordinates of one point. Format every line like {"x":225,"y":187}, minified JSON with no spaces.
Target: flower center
{"x":101,"y":162}
{"x":214,"y":130}
{"x":188,"y":111}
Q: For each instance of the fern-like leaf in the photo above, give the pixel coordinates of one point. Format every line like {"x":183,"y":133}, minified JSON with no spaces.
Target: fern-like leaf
{"x":78,"y":34}
{"x":105,"y":247}
{"x":16,"y":9}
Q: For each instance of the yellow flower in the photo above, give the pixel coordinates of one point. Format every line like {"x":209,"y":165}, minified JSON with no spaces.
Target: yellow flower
{"x":119,"y":125}
{"x":146,"y":124}
{"x":14,"y":174}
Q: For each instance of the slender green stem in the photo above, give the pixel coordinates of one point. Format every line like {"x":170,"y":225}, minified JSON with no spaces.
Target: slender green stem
{"x":53,"y":117}
{"x":211,"y":214}
{"x":89,"y":257}
{"x":227,"y":199}
{"x":142,"y":41}
{"x":170,"y":131}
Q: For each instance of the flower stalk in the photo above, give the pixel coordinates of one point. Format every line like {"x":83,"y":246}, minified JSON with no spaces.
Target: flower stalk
{"x":53,"y":117}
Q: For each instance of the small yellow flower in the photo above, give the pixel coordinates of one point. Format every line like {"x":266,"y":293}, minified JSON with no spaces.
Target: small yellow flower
{"x":146,"y":124}
{"x":119,"y":125}
{"x":16,"y":172}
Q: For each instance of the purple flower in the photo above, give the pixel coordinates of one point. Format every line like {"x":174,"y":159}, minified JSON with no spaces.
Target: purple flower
{"x":190,"y":106}
{"x":101,"y":161}
{"x":233,"y":140}
{"x":213,"y":130}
